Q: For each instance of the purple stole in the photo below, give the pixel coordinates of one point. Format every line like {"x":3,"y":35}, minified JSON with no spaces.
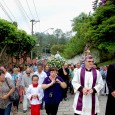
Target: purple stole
{"x":82,"y":79}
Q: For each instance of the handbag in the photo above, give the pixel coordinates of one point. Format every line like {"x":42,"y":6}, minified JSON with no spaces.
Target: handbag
{"x":15,"y":95}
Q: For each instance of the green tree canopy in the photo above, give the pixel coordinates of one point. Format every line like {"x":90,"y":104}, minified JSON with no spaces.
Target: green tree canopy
{"x":15,"y":41}
{"x":56,"y":48}
{"x":95,"y":31}
{"x":101,"y":29}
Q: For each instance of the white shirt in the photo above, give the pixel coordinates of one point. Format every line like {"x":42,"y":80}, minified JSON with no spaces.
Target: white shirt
{"x":8,"y":75}
{"x":41,"y":76}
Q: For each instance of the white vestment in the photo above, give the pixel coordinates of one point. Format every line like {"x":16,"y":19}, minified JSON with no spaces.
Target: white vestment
{"x":35,"y":91}
{"x":87,"y":99}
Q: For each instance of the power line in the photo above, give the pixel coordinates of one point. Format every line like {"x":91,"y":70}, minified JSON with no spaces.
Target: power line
{"x":36,"y":13}
{"x":35,"y":9}
{"x":21,"y":9}
{"x":6,"y":12}
{"x":9,"y":10}
{"x":29,"y":8}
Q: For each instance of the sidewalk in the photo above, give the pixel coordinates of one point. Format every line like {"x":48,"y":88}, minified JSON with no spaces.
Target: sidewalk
{"x":65,"y":107}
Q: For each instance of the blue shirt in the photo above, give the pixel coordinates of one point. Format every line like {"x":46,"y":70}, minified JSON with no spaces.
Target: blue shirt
{"x":53,"y":94}
{"x":14,"y":77}
{"x":35,"y":68}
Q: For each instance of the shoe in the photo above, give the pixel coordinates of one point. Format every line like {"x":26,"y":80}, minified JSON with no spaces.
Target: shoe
{"x":24,"y":111}
{"x":41,"y":108}
{"x":14,"y":111}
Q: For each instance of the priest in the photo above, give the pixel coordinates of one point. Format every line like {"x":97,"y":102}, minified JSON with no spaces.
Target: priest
{"x":87,"y":83}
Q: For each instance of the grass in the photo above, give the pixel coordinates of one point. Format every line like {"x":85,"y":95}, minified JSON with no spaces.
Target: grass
{"x":106,"y":62}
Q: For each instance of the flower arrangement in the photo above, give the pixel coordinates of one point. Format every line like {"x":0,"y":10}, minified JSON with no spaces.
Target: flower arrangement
{"x":56,"y":62}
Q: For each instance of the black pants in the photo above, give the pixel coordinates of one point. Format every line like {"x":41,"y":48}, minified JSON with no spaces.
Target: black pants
{"x":51,"y":109}
{"x":79,"y":114}
{"x":1,"y":111}
{"x":64,"y":91}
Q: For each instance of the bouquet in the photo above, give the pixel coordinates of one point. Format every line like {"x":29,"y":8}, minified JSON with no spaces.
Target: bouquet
{"x":56,"y":62}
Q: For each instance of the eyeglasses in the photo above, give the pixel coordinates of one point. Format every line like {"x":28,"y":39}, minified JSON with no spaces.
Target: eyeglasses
{"x":27,"y":73}
{"x":90,"y":61}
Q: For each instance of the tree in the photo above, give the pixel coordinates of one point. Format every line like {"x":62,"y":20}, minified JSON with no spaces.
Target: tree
{"x":77,"y":43}
{"x":15,"y":41}
{"x":6,"y":30}
{"x":95,"y":31}
{"x":46,"y":41}
{"x":101,"y":30}
{"x":56,"y":48}
{"x":95,"y":4}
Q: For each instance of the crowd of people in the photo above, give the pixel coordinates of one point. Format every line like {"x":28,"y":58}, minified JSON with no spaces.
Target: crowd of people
{"x":43,"y":87}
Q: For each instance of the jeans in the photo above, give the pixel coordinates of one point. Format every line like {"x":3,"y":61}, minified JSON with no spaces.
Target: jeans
{"x":6,"y":111}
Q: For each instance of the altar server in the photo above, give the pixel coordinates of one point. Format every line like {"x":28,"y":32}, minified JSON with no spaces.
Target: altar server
{"x":35,"y":95}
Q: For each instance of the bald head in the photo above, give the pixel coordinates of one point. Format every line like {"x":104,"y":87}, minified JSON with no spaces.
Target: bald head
{"x":28,"y":71}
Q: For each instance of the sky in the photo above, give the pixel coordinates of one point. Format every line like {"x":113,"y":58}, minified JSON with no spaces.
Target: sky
{"x":57,"y":14}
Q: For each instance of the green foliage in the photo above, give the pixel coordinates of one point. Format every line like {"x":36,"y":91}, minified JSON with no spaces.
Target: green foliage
{"x":97,"y":31}
{"x":95,"y":4}
{"x":17,"y":41}
{"x":56,"y":48}
{"x":47,"y":41}
{"x":77,"y":43}
{"x":73,"y":47}
{"x":6,"y":30}
{"x":101,"y":31}
{"x":106,"y":62}
{"x":21,"y":42}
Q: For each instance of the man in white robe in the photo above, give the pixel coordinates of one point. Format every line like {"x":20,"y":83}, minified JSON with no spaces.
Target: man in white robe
{"x":87,"y":83}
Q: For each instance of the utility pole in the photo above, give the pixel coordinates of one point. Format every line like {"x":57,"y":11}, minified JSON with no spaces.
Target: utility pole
{"x":32,"y":26}
{"x":33,"y":22}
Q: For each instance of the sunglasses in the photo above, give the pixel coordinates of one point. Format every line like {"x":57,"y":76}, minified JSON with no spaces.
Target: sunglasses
{"x":27,"y":73}
{"x":90,"y":61}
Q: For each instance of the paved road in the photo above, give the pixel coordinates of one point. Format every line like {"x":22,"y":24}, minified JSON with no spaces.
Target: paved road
{"x":65,"y":107}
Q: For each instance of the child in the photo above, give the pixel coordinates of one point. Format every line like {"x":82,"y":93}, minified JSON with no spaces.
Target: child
{"x":35,"y":95}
